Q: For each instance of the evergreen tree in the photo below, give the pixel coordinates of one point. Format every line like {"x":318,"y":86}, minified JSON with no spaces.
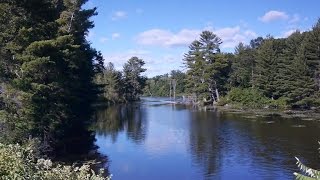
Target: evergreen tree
{"x":195,"y":63}
{"x":112,"y":84}
{"x":158,"y":86}
{"x":134,"y":82}
{"x":243,"y":67}
{"x":49,"y":79}
{"x":287,"y":62}
{"x":312,"y":52}
{"x":207,"y":67}
{"x":303,"y":85}
{"x":267,"y":66}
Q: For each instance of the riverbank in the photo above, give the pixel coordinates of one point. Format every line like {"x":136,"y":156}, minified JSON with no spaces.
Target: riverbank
{"x":312,"y":114}
{"x":305,"y":115}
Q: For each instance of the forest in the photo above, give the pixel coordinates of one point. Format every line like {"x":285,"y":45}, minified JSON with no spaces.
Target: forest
{"x":267,"y":72}
{"x":52,"y":79}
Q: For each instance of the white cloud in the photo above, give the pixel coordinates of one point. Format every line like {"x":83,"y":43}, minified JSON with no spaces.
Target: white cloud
{"x":250,"y":33}
{"x":288,"y":33}
{"x":115,"y":35}
{"x":118,"y":15}
{"x":167,"y":38}
{"x":274,"y":16}
{"x":295,"y":18}
{"x":230,"y":36}
{"x":155,"y":65}
{"x":228,"y":31}
{"x":103,"y":39}
{"x":119,"y":58}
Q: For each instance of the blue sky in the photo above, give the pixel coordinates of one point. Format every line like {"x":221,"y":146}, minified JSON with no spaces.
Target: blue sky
{"x":159,"y":32}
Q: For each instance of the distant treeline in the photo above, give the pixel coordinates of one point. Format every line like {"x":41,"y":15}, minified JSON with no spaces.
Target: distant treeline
{"x":166,"y":85}
{"x":278,"y":72}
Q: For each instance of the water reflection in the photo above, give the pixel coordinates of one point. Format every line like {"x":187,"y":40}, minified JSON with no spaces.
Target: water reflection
{"x":80,"y":149}
{"x":186,"y":143}
{"x":205,"y":141}
{"x":129,"y":118}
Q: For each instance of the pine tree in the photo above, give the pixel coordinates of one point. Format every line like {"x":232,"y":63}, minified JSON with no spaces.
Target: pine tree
{"x":243,"y":67}
{"x":112,"y":84}
{"x":268,"y":65}
{"x":51,"y":81}
{"x":134,"y":82}
{"x":206,"y":67}
{"x":312,"y":52}
{"x":195,"y":63}
{"x":287,"y":62}
{"x":302,"y":85}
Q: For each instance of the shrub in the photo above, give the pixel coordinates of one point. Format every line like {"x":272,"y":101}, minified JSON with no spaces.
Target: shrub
{"x":251,"y":98}
{"x":280,"y":103}
{"x":247,"y":97}
{"x":21,"y":162}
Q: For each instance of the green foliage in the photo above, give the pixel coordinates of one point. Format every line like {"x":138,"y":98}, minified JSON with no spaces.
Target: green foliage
{"x":283,"y":72}
{"x":22,"y":162}
{"x":243,"y":67}
{"x":160,"y":85}
{"x":111,"y":82}
{"x":247,"y":97}
{"x":118,"y":87}
{"x":308,"y":173}
{"x":46,"y":71}
{"x":134,"y":82}
{"x":251,"y":98}
{"x":267,"y":66}
{"x":280,"y":103}
{"x":282,"y":69}
{"x":208,"y":68}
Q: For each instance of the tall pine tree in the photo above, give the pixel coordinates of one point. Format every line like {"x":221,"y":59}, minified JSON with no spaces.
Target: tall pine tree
{"x":51,"y":80}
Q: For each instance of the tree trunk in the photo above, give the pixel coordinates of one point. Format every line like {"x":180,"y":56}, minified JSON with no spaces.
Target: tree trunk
{"x":174,"y":84}
{"x":217,"y":92}
{"x":213,"y":99}
{"x":170,"y":88}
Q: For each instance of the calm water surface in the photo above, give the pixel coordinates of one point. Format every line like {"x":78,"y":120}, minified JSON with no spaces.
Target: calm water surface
{"x":153,"y":139}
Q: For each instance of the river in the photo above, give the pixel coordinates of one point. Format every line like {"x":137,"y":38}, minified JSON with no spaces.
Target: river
{"x":154,"y":139}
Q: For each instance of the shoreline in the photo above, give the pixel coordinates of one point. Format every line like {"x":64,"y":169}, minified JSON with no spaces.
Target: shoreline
{"x":305,"y":115}
{"x":302,"y":114}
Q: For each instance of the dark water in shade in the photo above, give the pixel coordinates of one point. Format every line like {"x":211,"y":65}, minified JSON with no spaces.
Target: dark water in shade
{"x":156,"y":140}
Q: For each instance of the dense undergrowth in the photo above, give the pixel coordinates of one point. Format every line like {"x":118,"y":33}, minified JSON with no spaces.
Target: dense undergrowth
{"x":251,"y":98}
{"x":21,"y":162}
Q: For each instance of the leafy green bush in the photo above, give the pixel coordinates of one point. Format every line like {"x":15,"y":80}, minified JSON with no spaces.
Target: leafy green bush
{"x":223,"y":101}
{"x":21,"y":162}
{"x":280,"y":103}
{"x":251,"y":98}
{"x":308,"y":102}
{"x":247,"y":98}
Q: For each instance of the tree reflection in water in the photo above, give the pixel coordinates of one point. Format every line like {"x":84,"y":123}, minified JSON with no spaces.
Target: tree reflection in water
{"x":186,"y":142}
{"x":225,"y":144}
{"x":205,"y":144}
{"x":130,"y":118}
